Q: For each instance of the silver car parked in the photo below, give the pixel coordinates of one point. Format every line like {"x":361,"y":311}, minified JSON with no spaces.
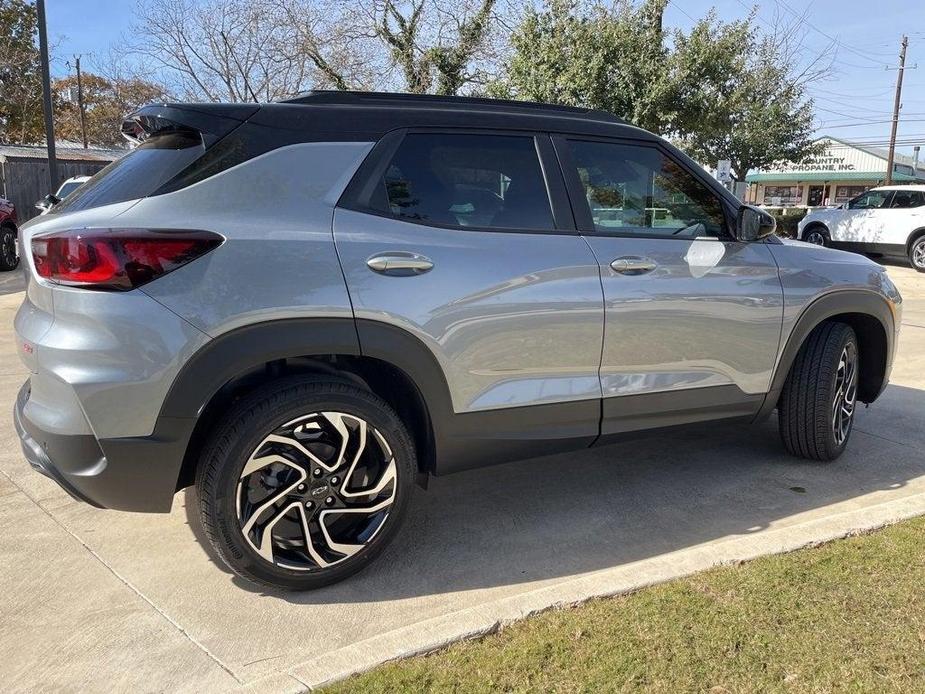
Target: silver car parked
{"x":303,"y":308}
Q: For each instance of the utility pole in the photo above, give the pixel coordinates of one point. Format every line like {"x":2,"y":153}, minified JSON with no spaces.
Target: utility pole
{"x":896,"y":105}
{"x":46,"y":92}
{"x":80,"y":102}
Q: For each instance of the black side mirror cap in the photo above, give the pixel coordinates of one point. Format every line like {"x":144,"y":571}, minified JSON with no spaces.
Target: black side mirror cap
{"x":753,"y":224}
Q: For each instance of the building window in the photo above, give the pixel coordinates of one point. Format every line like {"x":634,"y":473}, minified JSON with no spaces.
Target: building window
{"x":782,"y":195}
{"x":845,"y":193}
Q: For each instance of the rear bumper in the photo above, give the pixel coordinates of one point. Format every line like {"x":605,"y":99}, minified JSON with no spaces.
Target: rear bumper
{"x":128,"y":474}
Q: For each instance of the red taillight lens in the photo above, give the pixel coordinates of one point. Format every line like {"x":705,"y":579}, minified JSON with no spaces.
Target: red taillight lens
{"x":118,"y":259}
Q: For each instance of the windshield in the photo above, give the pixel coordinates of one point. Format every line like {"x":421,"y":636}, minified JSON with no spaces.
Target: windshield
{"x":139,"y":173}
{"x":67,"y":188}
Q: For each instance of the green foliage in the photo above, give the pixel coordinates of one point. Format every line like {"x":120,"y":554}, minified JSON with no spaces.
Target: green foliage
{"x":20,"y":74}
{"x":720,"y":90}
{"x":106,"y":102}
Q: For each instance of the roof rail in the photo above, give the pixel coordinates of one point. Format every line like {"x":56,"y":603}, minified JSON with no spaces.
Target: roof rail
{"x":331,"y":96}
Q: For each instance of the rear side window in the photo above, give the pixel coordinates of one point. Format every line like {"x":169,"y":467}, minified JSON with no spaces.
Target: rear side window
{"x":139,"y":173}
{"x":637,"y":190}
{"x":903,"y":199}
{"x":489,"y":181}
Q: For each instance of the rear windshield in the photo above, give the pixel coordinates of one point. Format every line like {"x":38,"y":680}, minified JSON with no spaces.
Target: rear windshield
{"x":139,"y":173}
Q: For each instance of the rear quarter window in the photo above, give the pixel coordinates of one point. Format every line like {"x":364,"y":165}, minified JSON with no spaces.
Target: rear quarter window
{"x":139,"y":173}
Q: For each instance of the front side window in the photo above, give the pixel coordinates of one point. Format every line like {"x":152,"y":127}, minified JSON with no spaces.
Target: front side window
{"x":871,"y":200}
{"x":492,"y":181}
{"x":638,"y":190}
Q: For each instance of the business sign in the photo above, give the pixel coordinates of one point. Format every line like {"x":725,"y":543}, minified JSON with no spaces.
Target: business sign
{"x":838,"y":157}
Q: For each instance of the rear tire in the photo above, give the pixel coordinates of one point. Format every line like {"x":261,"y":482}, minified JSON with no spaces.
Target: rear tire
{"x":917,"y":254}
{"x":9,"y":258}
{"x":277,"y":477}
{"x":816,"y":409}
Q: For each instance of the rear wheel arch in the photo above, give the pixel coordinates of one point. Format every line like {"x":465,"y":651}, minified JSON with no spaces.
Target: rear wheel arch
{"x":913,"y":237}
{"x":239,"y":362}
{"x":872,"y":320}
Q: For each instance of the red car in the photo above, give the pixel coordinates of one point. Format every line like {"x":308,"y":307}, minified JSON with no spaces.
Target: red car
{"x":9,"y":258}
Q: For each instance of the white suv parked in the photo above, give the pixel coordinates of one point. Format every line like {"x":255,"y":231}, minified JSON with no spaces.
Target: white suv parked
{"x":888,"y":221}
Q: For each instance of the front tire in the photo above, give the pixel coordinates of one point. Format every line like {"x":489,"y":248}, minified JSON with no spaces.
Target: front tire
{"x":816,"y":409}
{"x":817,"y":235}
{"x":305,"y":482}
{"x":9,"y":258}
{"x":917,"y":254}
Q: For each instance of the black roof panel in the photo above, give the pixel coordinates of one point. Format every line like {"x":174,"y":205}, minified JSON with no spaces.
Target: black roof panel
{"x":369,"y":115}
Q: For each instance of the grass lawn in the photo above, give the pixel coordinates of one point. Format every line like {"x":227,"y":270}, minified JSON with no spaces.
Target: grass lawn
{"x":846,"y":616}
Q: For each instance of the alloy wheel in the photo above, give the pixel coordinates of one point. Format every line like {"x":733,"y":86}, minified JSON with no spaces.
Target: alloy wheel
{"x":846,"y":382}
{"x":8,"y":249}
{"x":316,"y":491}
{"x":815,"y":237}
{"x":918,"y":254}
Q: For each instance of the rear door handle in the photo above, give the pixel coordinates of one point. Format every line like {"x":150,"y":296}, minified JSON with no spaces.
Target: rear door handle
{"x":633,"y":265}
{"x":400,"y":263}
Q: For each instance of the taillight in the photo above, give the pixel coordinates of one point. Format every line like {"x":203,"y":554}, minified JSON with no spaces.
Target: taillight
{"x":116,"y":259}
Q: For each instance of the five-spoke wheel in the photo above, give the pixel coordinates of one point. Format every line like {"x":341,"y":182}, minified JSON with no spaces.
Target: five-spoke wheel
{"x":305,"y":482}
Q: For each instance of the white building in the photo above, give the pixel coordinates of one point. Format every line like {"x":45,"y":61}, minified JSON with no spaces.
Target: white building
{"x":844,"y":170}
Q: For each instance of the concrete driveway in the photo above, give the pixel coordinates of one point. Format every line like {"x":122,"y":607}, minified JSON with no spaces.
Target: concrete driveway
{"x":100,"y":600}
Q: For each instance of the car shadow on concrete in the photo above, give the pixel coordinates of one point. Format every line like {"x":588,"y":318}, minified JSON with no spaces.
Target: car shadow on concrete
{"x":12,"y":281}
{"x":565,"y":515}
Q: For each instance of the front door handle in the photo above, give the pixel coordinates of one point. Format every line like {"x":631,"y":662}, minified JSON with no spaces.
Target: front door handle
{"x":633,"y":265}
{"x":399,"y":263}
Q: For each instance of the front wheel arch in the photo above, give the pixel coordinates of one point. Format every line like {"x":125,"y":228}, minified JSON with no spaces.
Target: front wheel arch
{"x":872,"y":320}
{"x":816,"y":226}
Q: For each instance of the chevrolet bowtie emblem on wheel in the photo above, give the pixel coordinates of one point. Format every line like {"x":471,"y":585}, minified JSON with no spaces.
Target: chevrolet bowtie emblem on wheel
{"x":320,"y":491}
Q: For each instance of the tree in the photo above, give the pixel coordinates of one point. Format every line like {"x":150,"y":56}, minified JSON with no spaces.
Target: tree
{"x":20,"y":74}
{"x":609,"y":58}
{"x":221,"y":50}
{"x":758,"y":114}
{"x":721,"y":90}
{"x":106,"y":102}
{"x":434,"y":50}
{"x":266,"y":50}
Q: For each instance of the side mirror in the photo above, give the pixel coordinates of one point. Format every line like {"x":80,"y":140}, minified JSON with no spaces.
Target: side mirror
{"x":47,"y":202}
{"x":753,"y":224}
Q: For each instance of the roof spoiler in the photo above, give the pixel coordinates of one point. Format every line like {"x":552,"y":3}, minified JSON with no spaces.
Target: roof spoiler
{"x":211,"y":121}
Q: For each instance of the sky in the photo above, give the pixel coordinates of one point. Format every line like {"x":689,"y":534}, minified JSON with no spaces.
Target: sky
{"x":854,"y":103}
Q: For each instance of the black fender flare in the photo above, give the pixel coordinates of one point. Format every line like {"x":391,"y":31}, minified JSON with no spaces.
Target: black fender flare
{"x":839,"y":302}
{"x":460,"y":440}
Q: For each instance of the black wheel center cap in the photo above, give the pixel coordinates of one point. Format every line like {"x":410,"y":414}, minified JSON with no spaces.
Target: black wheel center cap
{"x":320,"y":490}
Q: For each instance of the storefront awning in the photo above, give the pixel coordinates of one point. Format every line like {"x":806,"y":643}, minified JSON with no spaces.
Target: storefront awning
{"x":830,"y":176}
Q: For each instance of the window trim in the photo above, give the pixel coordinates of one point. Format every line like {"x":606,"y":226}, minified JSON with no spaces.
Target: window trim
{"x":359,"y":191}
{"x":582,"y":211}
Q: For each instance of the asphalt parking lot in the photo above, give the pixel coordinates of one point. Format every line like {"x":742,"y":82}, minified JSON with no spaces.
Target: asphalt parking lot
{"x":107,"y":601}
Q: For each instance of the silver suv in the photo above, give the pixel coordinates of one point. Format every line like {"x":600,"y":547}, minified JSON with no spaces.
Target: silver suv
{"x":304,"y":308}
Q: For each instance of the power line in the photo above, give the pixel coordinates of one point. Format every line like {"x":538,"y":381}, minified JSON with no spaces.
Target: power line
{"x":847,"y":47}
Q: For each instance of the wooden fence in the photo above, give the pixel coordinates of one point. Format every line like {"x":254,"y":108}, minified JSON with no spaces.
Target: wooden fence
{"x":24,"y":181}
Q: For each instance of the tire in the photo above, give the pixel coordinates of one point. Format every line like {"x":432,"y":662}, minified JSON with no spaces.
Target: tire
{"x":824,"y":372}
{"x":275,"y":431}
{"x":917,"y":253}
{"x":817,"y":235}
{"x":9,"y":258}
